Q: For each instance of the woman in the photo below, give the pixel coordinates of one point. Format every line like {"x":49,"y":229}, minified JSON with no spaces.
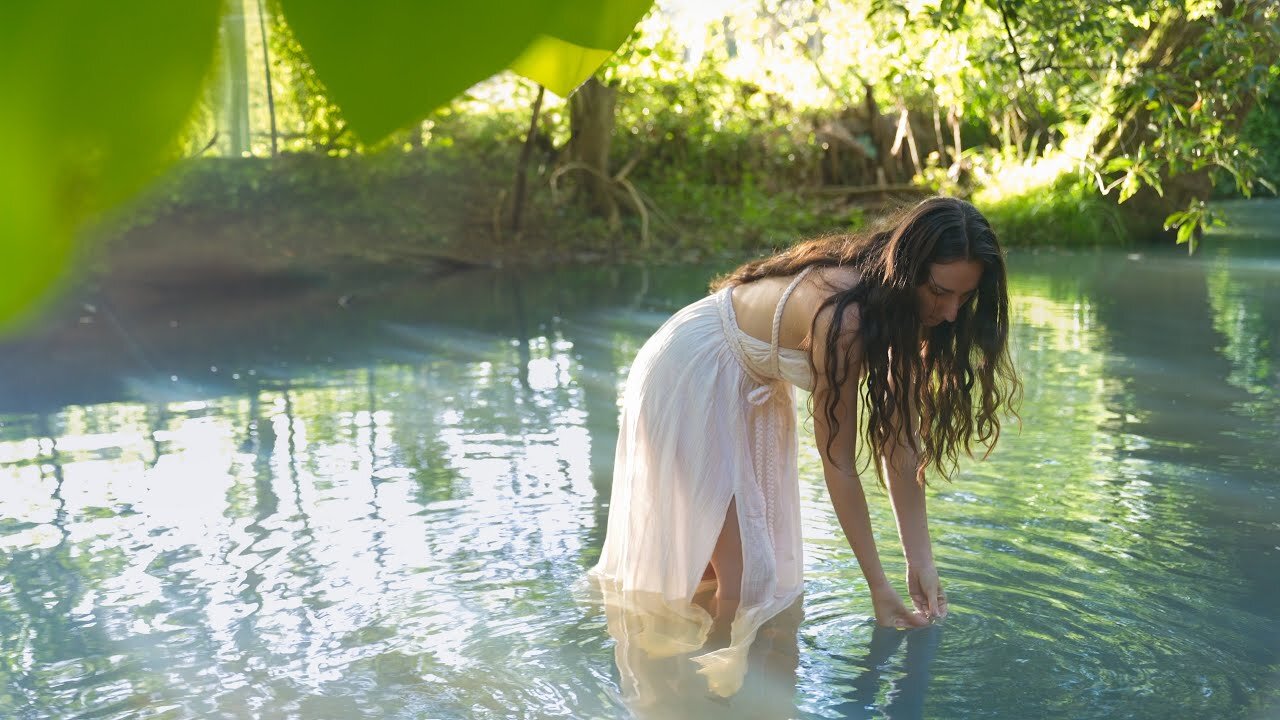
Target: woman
{"x":912,"y":320}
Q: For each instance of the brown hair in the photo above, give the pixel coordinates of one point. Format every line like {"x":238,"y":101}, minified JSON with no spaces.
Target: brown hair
{"x":961,"y":377}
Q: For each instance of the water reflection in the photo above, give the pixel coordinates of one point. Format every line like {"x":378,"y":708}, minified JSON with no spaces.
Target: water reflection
{"x":386,"y":511}
{"x":664,"y":682}
{"x":901,"y":694}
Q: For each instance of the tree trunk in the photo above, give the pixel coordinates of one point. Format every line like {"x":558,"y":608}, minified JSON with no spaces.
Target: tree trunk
{"x":884,"y":155}
{"x":937,"y":135}
{"x":591,"y":116}
{"x":266,"y":72}
{"x":235,"y":80}
{"x":904,"y":134}
{"x":953,"y":120}
{"x":522,"y":169}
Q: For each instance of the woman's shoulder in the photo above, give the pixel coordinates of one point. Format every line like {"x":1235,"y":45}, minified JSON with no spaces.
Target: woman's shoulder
{"x":836,"y":278}
{"x":812,"y":294}
{"x":823,"y":282}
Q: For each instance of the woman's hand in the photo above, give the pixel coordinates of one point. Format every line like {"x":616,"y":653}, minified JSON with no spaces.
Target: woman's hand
{"x":926,"y":591}
{"x":892,"y":612}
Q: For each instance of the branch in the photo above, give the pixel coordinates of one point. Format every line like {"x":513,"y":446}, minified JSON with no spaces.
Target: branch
{"x":808,"y":54}
{"x":1050,"y":66}
{"x":1017,"y":57}
{"x":1013,"y":42}
{"x":207,"y":146}
{"x":621,"y":182}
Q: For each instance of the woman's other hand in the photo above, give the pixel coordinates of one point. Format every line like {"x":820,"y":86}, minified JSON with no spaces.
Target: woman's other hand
{"x":892,"y":612}
{"x":926,"y":591}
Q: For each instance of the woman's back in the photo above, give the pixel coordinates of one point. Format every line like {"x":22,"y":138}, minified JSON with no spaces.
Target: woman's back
{"x":755,"y":303}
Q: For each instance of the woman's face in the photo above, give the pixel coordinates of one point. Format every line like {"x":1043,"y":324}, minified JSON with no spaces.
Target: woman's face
{"x":947,"y":287}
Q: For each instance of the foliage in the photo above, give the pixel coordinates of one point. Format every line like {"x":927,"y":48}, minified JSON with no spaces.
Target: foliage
{"x":1195,"y":109}
{"x":697,"y":122}
{"x":96,"y":95}
{"x":1261,"y":131}
{"x":362,"y":57}
{"x":1155,"y":89}
{"x":438,"y":204}
{"x":699,"y":219}
{"x":1067,"y":212}
{"x":320,"y":119}
{"x":75,"y":74}
{"x":725,"y":113}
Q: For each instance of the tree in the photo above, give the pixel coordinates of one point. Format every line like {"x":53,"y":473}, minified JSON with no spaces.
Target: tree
{"x":591,"y":115}
{"x":96,"y":96}
{"x":1153,"y":94}
{"x":235,"y":80}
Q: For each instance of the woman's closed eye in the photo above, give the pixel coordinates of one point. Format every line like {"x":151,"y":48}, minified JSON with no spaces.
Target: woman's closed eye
{"x":941,"y":292}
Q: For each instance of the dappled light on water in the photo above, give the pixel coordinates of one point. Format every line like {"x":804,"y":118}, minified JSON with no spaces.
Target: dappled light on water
{"x":398,"y":525}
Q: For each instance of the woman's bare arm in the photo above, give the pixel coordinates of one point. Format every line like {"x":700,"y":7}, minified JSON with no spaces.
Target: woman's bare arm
{"x":839,"y":466}
{"x":907,"y":496}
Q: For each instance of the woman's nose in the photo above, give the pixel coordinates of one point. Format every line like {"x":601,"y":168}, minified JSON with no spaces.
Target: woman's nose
{"x":951,"y":309}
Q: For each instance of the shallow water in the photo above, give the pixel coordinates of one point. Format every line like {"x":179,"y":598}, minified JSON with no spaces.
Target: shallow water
{"x":385,"y":510}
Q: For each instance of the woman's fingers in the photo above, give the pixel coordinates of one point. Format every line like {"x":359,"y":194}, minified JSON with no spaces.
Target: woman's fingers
{"x":911,"y":619}
{"x":930,"y":604}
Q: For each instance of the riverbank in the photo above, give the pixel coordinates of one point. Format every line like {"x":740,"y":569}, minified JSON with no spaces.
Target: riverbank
{"x":285,"y":221}
{"x":301,"y":263}
{"x":316,"y":229}
{"x":399,"y":210}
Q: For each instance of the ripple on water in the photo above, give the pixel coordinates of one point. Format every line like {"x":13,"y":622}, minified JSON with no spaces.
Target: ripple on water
{"x":405,"y":538}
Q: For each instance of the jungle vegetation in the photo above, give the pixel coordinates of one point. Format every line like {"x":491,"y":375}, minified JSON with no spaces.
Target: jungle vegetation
{"x":715,"y":127}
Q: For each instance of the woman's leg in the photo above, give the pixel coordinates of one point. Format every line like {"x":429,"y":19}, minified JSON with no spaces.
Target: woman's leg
{"x":726,"y":564}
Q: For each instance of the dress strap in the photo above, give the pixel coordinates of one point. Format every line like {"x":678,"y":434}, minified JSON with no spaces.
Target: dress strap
{"x":777,"y":316}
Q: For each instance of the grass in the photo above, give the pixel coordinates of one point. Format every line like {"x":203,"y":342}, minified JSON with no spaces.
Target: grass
{"x":1065,"y":212}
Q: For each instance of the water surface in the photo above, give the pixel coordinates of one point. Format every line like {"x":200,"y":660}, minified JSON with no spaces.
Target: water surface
{"x":384,"y":508}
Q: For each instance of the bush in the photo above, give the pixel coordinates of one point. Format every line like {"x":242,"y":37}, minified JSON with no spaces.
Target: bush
{"x":1067,"y":212}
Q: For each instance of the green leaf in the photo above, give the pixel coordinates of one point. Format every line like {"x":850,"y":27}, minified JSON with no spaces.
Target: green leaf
{"x":94,"y":95}
{"x":578,"y":41}
{"x":1128,"y":187}
{"x":1150,"y":178}
{"x":1118,"y":163}
{"x":595,"y":24}
{"x":1185,"y":231}
{"x":557,"y":65}
{"x":1176,"y":218}
{"x":389,"y":63}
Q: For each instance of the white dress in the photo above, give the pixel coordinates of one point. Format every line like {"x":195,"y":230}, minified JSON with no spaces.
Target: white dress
{"x":708,"y":416}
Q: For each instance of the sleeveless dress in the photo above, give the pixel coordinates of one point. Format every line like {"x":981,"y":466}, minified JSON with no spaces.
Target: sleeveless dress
{"x":708,"y":416}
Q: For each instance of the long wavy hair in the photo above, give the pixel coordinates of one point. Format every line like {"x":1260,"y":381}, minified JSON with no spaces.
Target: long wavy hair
{"x":957,"y":374}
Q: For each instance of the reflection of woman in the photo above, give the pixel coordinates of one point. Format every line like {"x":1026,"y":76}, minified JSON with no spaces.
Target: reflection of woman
{"x":912,"y":319}
{"x":905,"y":697}
{"x":666,"y":687}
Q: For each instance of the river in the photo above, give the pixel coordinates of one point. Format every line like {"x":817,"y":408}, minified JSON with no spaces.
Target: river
{"x":385,"y":509}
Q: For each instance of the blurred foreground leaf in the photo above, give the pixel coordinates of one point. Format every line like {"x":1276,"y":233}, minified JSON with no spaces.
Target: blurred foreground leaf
{"x":389,"y":63}
{"x":578,"y":40}
{"x":94,"y":95}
